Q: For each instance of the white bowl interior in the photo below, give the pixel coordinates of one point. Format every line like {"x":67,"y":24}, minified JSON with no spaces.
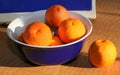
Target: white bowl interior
{"x":17,"y":26}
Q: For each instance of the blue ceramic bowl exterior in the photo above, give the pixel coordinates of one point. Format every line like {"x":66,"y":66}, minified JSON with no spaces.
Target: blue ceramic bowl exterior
{"x":52,"y":56}
{"x":46,"y":55}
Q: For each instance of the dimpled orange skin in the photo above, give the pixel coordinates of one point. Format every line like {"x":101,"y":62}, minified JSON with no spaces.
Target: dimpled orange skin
{"x":55,"y":15}
{"x":71,"y":30}
{"x":38,"y":34}
{"x":102,"y":53}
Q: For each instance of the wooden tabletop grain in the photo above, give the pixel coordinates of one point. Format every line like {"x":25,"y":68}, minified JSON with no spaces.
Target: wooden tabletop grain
{"x":106,"y":25}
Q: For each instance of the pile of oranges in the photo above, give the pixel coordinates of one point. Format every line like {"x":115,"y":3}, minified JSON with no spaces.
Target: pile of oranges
{"x":56,"y":16}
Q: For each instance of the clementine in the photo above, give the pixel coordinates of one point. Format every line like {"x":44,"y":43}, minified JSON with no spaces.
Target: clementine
{"x":38,"y":34}
{"x":56,"y":41}
{"x":20,"y":38}
{"x":55,"y":15}
{"x":71,"y":30}
{"x":102,"y":53}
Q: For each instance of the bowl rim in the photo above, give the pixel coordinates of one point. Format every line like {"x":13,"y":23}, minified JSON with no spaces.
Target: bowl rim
{"x":9,"y":33}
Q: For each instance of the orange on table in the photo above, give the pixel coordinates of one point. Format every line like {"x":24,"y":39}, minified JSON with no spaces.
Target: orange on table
{"x":102,"y":53}
{"x":55,"y":15}
{"x":71,"y":30}
{"x":56,"y":41}
{"x":37,"y":33}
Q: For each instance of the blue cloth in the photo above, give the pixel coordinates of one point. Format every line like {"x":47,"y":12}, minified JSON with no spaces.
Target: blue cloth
{"x":7,"y":6}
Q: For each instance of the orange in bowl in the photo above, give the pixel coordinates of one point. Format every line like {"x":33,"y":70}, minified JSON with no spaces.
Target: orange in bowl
{"x":71,"y":30}
{"x":20,"y":38}
{"x":38,"y":34}
{"x":55,"y":15}
{"x":56,"y":41}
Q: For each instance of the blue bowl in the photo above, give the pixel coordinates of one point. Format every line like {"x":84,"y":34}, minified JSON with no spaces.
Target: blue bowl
{"x":46,"y":55}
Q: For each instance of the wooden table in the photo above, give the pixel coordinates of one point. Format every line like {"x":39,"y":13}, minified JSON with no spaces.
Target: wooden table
{"x":106,"y":25}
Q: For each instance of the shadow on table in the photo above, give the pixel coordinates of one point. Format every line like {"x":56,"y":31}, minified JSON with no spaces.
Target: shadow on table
{"x":10,"y":56}
{"x":80,"y":61}
{"x":18,"y":52}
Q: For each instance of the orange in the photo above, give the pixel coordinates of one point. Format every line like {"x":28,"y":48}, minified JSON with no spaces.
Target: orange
{"x":71,"y":30}
{"x":20,"y":38}
{"x":55,"y":15}
{"x":102,"y":53}
{"x":38,"y":34}
{"x":56,"y":41}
